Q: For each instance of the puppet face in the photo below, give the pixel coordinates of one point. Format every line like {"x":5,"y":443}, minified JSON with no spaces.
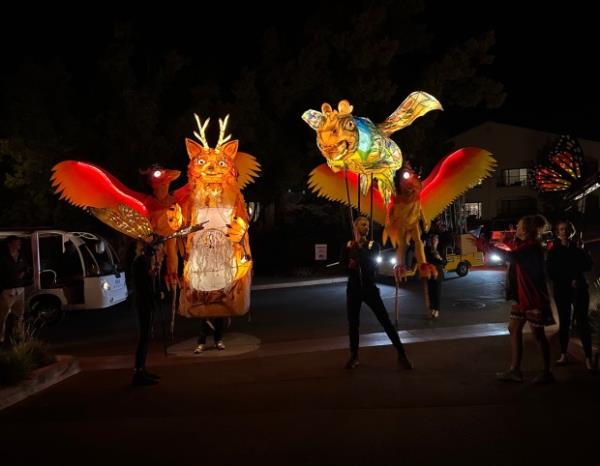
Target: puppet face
{"x":157,"y":176}
{"x":337,"y":135}
{"x":211,"y":165}
{"x":409,"y":185}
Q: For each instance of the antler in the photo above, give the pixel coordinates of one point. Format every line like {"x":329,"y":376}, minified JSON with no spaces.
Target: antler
{"x":222,"y":126}
{"x":202,"y":128}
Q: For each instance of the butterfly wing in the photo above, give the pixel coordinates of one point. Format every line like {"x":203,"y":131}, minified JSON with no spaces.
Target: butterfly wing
{"x":563,"y":166}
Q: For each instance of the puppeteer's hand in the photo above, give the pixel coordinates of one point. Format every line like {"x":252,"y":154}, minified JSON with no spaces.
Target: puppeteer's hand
{"x":175,"y":217}
{"x":172,"y":281}
{"x":502,"y":246}
{"x":400,"y":273}
{"x":237,"y":229}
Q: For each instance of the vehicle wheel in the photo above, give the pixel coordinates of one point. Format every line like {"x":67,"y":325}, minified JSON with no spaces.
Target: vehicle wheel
{"x":43,"y":311}
{"x":462,"y":269}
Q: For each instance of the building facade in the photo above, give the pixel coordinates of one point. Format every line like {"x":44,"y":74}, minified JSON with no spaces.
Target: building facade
{"x":507,"y":194}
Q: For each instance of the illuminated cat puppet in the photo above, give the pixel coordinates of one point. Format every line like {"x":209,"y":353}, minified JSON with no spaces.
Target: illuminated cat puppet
{"x":358,"y":145}
{"x":217,"y":272}
{"x":413,"y":201}
{"x":132,"y":213}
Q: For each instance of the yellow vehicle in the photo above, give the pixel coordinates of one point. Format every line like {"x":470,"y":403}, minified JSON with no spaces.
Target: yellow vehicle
{"x":460,"y":258}
{"x":463,"y":257}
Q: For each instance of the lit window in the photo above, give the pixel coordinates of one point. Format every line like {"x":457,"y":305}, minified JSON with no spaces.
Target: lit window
{"x":515,"y":177}
{"x":473,"y":208}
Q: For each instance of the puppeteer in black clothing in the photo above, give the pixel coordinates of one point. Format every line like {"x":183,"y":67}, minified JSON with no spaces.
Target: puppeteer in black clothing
{"x":359,"y":258}
{"x":434,"y":284}
{"x":145,"y":271}
{"x":566,"y":265}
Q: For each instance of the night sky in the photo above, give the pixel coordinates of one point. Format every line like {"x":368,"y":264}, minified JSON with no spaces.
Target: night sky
{"x":546,"y":57}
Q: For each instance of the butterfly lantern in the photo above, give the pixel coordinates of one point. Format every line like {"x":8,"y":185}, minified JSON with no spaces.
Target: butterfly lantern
{"x":563,"y":171}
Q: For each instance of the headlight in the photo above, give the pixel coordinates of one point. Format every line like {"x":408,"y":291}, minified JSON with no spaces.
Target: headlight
{"x":393,"y":261}
{"x":378,"y":259}
{"x":106,"y":286}
{"x":495,"y":258}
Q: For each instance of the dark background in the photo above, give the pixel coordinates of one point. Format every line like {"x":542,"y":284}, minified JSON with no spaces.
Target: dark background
{"x":118,"y":87}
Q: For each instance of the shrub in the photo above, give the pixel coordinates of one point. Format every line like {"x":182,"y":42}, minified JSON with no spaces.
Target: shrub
{"x":13,"y":368}
{"x":17,"y":362}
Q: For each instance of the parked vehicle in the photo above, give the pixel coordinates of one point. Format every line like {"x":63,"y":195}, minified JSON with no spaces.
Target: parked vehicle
{"x":68,"y":270}
{"x":460,"y":259}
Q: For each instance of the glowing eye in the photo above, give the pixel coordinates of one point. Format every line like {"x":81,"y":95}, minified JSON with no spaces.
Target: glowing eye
{"x":200,"y":161}
{"x":156,"y":173}
{"x":406,"y":175}
{"x":222,"y":163}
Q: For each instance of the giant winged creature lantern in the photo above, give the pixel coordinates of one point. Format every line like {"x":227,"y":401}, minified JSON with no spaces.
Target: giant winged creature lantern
{"x":210,"y":209}
{"x":358,"y":145}
{"x":354,"y":146}
{"x":415,"y":201}
{"x":217,"y":273}
{"x":132,"y":213}
{"x":361,"y":148}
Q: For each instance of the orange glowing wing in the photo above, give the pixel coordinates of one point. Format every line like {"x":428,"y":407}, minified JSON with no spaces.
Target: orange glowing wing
{"x":248,"y":169}
{"x":325,"y":183}
{"x":452,"y":176}
{"x":92,"y":188}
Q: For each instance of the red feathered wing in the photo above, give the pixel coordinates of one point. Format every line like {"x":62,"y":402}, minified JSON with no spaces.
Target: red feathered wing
{"x":451,"y":177}
{"x":94,"y":189}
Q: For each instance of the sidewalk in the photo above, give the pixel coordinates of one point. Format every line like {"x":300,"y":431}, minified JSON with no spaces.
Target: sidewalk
{"x":269,"y":283}
{"x":305,"y":409}
{"x":158,"y":359}
{"x":263,"y":282}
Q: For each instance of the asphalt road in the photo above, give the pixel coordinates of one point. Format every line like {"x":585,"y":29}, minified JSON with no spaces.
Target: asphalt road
{"x":299,"y":313}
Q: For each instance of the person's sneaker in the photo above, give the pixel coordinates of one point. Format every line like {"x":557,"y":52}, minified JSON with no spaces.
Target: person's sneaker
{"x":220,"y":345}
{"x":352,"y":363}
{"x":562,"y":361}
{"x":544,"y":378}
{"x":404,"y":362}
{"x":141,"y":380}
{"x":510,"y":376}
{"x":199,"y":349}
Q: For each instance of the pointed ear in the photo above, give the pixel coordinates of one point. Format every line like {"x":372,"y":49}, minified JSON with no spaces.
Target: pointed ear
{"x":313,"y":118}
{"x":230,"y":148}
{"x":193,"y":148}
{"x":326,"y":108}
{"x":345,"y":107}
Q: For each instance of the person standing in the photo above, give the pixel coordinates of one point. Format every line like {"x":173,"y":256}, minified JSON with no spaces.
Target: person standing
{"x":145,"y":268}
{"x":434,"y":284}
{"x":526,"y":284}
{"x":12,"y":289}
{"x":567,"y":264}
{"x":358,"y":257}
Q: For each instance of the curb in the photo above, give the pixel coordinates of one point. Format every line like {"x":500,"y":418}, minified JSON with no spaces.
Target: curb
{"x":321,"y":281}
{"x":40,"y":379}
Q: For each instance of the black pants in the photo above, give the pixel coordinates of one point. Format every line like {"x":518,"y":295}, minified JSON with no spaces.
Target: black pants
{"x":218,"y":324}
{"x":145,"y":312}
{"x":434,"y":290}
{"x":371,"y":297}
{"x":579,"y":300}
